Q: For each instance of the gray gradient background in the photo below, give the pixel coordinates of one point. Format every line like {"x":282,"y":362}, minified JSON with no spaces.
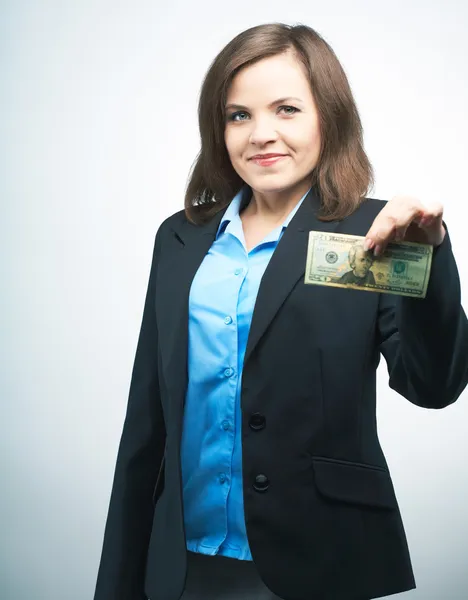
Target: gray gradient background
{"x":98,"y":131}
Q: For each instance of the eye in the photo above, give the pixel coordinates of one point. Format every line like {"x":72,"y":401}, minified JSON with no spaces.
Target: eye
{"x":232,"y":117}
{"x":293,"y":107}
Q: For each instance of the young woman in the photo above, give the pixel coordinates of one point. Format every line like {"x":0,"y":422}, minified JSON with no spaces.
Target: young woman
{"x":249,"y":465}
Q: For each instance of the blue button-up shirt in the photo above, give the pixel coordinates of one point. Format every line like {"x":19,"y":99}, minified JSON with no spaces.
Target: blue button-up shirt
{"x":221,"y":303}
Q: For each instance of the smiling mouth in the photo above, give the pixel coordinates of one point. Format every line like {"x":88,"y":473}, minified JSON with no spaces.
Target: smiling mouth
{"x":264,"y":162}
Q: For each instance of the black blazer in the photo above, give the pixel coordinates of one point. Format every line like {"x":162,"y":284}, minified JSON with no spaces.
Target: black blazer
{"x":320,"y":508}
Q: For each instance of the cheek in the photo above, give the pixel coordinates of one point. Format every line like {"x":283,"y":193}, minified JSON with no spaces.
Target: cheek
{"x":308,"y":142}
{"x":233,"y":144}
{"x":314,"y":139}
{"x":227,"y":142}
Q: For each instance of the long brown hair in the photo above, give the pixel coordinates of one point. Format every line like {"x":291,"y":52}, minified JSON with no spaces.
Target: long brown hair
{"x":343,"y":175}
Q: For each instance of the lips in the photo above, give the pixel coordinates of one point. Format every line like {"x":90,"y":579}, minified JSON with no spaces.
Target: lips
{"x":266,"y":162}
{"x":265,"y":156}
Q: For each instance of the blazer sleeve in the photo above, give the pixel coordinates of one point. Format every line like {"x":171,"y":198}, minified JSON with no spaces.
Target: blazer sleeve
{"x":121,"y":571}
{"x":425,"y":341}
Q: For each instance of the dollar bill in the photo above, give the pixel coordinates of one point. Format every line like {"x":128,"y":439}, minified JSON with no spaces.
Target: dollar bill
{"x":340,"y":260}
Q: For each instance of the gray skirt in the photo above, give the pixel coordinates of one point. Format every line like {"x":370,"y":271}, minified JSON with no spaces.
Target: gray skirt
{"x":222,"y":578}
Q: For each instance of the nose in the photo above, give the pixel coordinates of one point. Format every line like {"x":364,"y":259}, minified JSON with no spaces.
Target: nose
{"x":263,"y":132}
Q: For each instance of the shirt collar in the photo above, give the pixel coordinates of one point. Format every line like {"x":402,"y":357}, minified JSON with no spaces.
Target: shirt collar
{"x":240,"y":200}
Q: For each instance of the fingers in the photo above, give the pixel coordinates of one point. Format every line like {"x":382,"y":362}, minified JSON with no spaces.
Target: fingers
{"x":432,"y":214}
{"x":398,"y":214}
{"x":392,"y":222}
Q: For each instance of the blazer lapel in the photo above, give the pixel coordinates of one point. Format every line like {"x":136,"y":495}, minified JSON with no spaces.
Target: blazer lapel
{"x":190,"y":245}
{"x":286,"y":267}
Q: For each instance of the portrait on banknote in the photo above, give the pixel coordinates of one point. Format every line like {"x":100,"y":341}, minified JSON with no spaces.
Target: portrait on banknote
{"x":360,"y":260}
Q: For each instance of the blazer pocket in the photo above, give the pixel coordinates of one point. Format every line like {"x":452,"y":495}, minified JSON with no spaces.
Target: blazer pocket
{"x":159,"y":485}
{"x":353,"y":482}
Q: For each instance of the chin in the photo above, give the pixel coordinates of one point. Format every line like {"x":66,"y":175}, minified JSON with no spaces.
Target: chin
{"x":270,"y":182}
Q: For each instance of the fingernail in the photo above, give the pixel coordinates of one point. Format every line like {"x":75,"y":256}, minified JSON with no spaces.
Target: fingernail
{"x":377,"y":250}
{"x":367,"y":244}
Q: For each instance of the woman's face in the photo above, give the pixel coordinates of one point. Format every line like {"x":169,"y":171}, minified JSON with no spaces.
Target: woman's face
{"x":260,"y":125}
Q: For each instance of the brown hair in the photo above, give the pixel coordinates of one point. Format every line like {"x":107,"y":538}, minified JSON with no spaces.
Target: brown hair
{"x":343,"y":174}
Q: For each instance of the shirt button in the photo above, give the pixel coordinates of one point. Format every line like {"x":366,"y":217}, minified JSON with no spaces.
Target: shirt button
{"x":227,"y":320}
{"x":229,"y":372}
{"x":225,"y":425}
{"x":237,"y":271}
{"x":222,"y":478}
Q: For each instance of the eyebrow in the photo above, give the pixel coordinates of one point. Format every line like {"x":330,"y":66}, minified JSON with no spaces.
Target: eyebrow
{"x":275,"y":102}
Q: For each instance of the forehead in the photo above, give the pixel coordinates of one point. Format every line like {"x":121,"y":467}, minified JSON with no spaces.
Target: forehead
{"x":268,"y":79}
{"x":360,"y":252}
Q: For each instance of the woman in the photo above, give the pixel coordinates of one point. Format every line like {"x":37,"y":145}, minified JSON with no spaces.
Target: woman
{"x":249,"y":465}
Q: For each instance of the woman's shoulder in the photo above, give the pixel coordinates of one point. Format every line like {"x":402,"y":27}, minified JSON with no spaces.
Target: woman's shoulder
{"x":172,"y":222}
{"x":360,"y":220}
{"x":368,"y":209}
{"x":373,"y":204}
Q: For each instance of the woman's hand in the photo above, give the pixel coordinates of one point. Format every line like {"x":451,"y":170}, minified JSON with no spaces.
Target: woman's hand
{"x":406,"y":218}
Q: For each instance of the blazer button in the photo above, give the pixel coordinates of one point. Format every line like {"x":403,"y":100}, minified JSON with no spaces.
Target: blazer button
{"x":257,"y":421}
{"x":262,"y":483}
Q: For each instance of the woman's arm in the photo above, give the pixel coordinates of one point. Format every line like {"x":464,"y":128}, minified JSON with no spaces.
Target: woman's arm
{"x":425,"y":341}
{"x":122,"y":568}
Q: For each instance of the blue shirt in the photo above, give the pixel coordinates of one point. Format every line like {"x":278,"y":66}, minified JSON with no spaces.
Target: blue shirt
{"x":221,"y":303}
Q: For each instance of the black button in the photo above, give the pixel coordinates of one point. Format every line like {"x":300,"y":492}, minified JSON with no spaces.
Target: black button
{"x":257,"y":421}
{"x":262,"y":483}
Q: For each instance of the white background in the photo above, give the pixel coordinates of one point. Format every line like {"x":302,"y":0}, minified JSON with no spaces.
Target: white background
{"x":99,"y":130}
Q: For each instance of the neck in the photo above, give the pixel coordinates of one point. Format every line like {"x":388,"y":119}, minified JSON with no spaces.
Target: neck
{"x":273,"y":207}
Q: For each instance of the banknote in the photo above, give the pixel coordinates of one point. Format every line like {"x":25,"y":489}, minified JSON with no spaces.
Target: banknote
{"x":340,"y":260}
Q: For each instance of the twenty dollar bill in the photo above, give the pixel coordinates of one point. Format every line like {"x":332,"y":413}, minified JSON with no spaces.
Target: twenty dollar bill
{"x":340,"y":260}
